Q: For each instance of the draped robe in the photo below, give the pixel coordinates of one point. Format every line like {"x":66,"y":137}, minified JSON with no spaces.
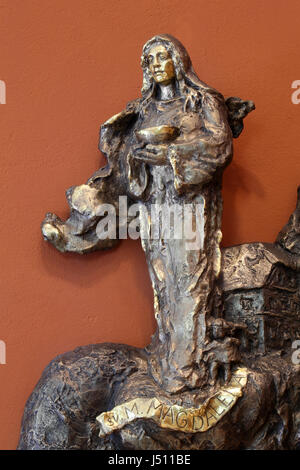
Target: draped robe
{"x":183,"y":279}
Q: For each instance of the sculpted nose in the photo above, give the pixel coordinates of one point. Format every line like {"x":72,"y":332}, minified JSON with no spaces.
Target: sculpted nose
{"x":156,"y":62}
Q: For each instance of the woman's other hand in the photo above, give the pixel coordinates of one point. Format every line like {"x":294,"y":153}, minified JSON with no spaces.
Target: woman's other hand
{"x":152,"y":154}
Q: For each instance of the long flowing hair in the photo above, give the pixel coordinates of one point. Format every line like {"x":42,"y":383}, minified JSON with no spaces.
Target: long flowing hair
{"x":190,"y":86}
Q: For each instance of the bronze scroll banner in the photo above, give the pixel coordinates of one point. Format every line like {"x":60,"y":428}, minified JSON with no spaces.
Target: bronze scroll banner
{"x":175,"y":417}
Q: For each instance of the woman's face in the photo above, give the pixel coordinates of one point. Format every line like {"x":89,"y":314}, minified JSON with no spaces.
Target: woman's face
{"x":161,"y":65}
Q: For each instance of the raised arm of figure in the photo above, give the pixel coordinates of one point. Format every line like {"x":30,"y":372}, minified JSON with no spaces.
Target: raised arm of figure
{"x":204,"y":149}
{"x":79,"y":232}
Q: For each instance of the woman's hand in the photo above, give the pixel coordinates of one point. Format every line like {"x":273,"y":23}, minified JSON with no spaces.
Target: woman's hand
{"x":152,"y":154}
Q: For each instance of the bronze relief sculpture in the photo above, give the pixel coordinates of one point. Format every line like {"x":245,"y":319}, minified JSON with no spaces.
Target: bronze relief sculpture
{"x":218,"y":372}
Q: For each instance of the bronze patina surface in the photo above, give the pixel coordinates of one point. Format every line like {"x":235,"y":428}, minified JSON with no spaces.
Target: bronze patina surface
{"x":218,"y":373}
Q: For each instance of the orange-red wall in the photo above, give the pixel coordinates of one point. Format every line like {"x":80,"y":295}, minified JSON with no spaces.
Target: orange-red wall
{"x":69,"y":65}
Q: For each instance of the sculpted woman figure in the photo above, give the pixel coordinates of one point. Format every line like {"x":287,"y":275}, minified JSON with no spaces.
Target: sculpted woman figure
{"x":168,"y":148}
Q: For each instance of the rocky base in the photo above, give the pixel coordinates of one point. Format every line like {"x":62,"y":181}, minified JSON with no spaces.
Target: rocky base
{"x":77,"y":386}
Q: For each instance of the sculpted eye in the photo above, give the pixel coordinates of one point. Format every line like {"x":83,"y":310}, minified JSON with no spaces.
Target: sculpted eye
{"x":150,"y":59}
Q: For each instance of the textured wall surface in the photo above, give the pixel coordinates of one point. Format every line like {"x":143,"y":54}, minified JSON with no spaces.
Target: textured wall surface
{"x":68,"y":65}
